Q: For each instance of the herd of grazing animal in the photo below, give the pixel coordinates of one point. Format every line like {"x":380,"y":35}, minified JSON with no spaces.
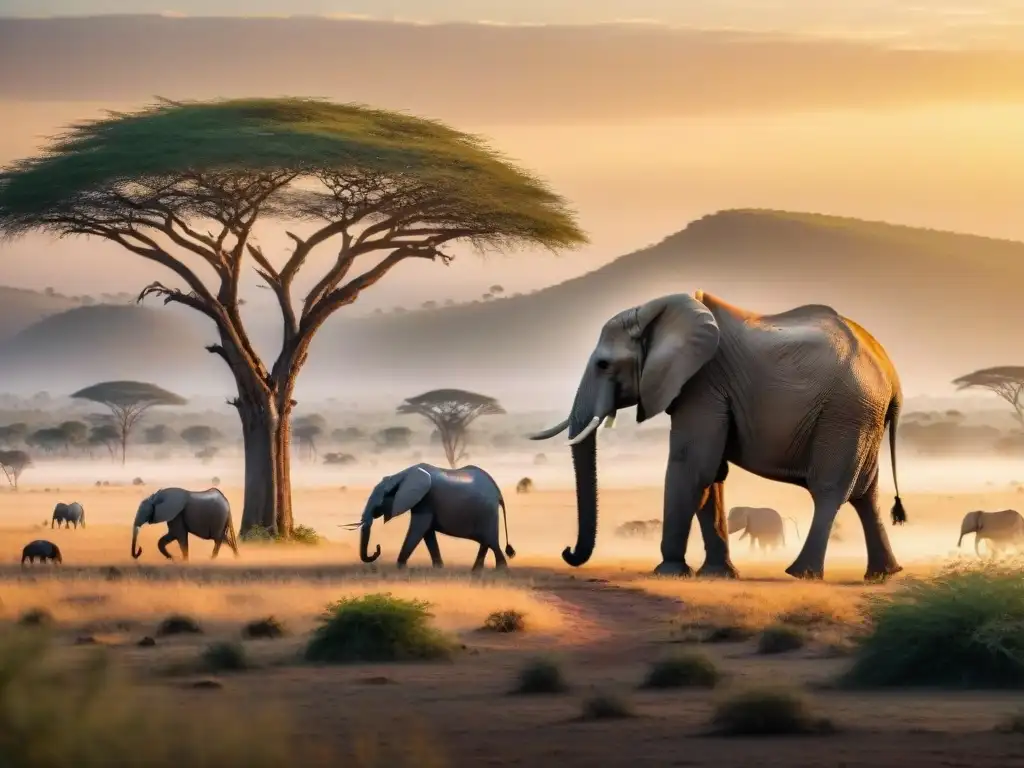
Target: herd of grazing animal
{"x":802,"y":396}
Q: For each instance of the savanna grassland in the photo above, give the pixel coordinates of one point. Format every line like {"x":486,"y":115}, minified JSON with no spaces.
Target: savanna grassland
{"x":652,"y":659}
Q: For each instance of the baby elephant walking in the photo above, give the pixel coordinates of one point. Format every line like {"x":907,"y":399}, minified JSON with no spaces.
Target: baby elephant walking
{"x":69,"y":514}
{"x":460,"y":502}
{"x":44,"y":550}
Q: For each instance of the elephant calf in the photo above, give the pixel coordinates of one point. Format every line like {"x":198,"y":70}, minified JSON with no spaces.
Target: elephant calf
{"x":460,"y":502}
{"x":763,"y":526}
{"x":204,"y":514}
{"x":1001,"y":529}
{"x":69,"y":514}
{"x":42,"y":549}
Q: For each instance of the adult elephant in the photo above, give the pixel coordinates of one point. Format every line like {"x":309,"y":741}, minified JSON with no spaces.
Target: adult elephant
{"x":1001,"y":529}
{"x":802,"y":397}
{"x":69,"y":514}
{"x":204,"y":514}
{"x":763,"y":526}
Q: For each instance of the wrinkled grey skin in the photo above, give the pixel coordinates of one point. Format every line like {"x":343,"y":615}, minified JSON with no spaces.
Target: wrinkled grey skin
{"x":1001,"y":529}
{"x":42,"y":550}
{"x":69,"y":514}
{"x":459,"y":502}
{"x":762,"y":526}
{"x":204,"y":514}
{"x":802,"y":397}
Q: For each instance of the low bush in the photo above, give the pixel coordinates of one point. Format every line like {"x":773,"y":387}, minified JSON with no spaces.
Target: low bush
{"x":767,"y":712}
{"x":961,"y":628}
{"x":1013,"y":724}
{"x":225,"y":657}
{"x":36,"y":617}
{"x":178,"y":624}
{"x":505,"y":621}
{"x":303,"y":534}
{"x":377,"y":627}
{"x":262,"y":629}
{"x":541,"y":675}
{"x":606,"y":706}
{"x":684,"y":670}
{"x":780,"y":638}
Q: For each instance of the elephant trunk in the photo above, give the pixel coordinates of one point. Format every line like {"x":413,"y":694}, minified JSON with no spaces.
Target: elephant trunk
{"x":364,"y":538}
{"x":594,"y":402}
{"x":969,"y":525}
{"x":136,"y":553}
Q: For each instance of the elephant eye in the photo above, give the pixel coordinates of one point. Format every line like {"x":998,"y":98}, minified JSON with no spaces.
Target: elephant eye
{"x":603,"y":365}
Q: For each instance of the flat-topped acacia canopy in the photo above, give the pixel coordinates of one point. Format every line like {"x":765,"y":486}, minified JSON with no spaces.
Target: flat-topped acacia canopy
{"x":178,"y":182}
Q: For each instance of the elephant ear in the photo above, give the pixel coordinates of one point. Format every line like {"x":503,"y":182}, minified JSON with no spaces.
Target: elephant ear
{"x":168,"y":504}
{"x":680,"y":335}
{"x":411,"y":490}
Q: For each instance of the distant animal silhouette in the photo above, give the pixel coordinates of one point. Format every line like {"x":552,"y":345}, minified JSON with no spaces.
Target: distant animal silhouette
{"x":1002,"y":529}
{"x":524,"y":486}
{"x":43,"y":550}
{"x":763,"y":526}
{"x":638,"y":529}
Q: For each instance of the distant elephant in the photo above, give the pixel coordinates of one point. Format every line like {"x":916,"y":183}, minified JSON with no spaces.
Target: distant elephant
{"x":460,"y":502}
{"x":1002,"y":529}
{"x":44,"y":550}
{"x":802,"y":397}
{"x":763,"y":526}
{"x":68,"y":514}
{"x":205,"y":514}
{"x":524,"y":486}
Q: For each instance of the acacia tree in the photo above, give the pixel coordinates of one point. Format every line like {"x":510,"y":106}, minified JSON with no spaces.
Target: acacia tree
{"x":452,"y":411}
{"x":199,"y":437}
{"x":12,"y":464}
{"x":183,"y":184}
{"x":307,"y":429}
{"x":1006,"y":381}
{"x":127,"y":401}
{"x":107,"y":435}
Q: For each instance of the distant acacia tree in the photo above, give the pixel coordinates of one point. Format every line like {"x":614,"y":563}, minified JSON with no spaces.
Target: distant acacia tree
{"x":47,"y":439}
{"x":180,"y":182}
{"x":497,"y":290}
{"x":158,"y":434}
{"x":1005,"y":381}
{"x":127,"y":401}
{"x":75,"y":433}
{"x":13,"y":434}
{"x":307,"y":429}
{"x":451,"y":411}
{"x":347,"y":435}
{"x":393,"y":437}
{"x":13,"y":463}
{"x":199,"y":438}
{"x":105,"y":435}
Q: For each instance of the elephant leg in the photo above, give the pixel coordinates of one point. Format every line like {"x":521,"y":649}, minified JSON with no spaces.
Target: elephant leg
{"x":810,"y":563}
{"x":430,"y":539}
{"x":481,"y":555}
{"x":711,"y":517}
{"x":881,"y":560}
{"x":216,"y":548}
{"x":499,"y":557}
{"x":696,"y":449}
{"x":418,"y":527}
{"x":163,"y":541}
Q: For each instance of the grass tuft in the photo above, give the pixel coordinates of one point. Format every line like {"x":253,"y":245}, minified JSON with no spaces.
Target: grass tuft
{"x":684,"y":670}
{"x":36,"y":617}
{"x":961,"y":628}
{"x":767,"y":712}
{"x":541,"y":675}
{"x":781,"y":638}
{"x":505,"y":621}
{"x":606,"y":705}
{"x":377,"y":627}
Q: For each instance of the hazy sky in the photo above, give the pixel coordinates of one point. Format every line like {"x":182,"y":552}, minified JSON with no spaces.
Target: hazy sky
{"x":850,"y":16}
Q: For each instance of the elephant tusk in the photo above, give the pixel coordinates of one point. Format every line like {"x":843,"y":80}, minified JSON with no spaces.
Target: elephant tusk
{"x":609,"y":422}
{"x":550,"y":431}
{"x":594,"y":424}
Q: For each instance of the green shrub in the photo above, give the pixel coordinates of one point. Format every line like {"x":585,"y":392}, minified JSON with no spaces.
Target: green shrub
{"x":541,"y":675}
{"x":87,"y":716}
{"x":178,"y":624}
{"x":964,"y":627}
{"x":606,"y":706}
{"x":303,"y":534}
{"x":377,"y":627}
{"x":766,"y":712}
{"x":268,"y":628}
{"x":225,"y":657}
{"x":684,"y":670}
{"x":780,"y":638}
{"x":257,"y":534}
{"x":505,"y":621}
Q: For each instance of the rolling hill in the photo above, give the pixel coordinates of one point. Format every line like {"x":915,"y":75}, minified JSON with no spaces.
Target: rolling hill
{"x":69,"y":350}
{"x":20,"y":308}
{"x":943,"y":303}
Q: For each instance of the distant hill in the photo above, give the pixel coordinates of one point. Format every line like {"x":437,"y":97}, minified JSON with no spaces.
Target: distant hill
{"x":943,"y":303}
{"x":20,"y":308}
{"x":72,"y":349}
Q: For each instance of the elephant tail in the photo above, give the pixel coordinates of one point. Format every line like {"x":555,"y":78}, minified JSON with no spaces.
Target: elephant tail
{"x":795,"y":527}
{"x":509,"y":551}
{"x":892,"y":416}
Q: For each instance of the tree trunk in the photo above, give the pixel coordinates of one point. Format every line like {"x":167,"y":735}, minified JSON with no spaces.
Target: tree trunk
{"x":124,"y":447}
{"x":268,"y":493}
